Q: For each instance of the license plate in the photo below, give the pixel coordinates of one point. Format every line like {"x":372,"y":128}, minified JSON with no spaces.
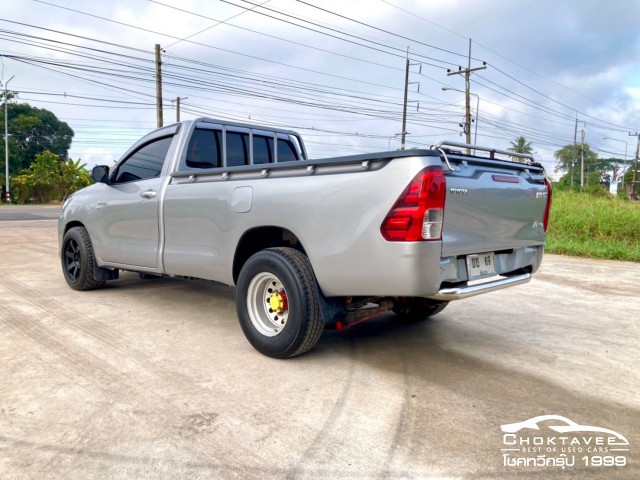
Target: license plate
{"x":481,"y":265}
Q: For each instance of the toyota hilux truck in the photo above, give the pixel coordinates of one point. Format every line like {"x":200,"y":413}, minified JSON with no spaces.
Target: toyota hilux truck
{"x":308,"y":244}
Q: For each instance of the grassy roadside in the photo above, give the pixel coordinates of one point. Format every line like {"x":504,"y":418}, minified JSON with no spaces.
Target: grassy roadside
{"x":594,"y":226}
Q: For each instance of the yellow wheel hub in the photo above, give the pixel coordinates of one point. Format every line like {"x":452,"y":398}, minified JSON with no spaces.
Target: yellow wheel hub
{"x":278,"y":302}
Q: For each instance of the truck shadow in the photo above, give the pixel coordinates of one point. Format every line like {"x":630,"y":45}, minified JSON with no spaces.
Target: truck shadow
{"x":451,"y":396}
{"x":132,"y":282}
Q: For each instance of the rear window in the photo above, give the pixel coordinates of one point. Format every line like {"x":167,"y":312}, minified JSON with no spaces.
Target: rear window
{"x":262,"y":149}
{"x":204,"y":149}
{"x":237,"y":151}
{"x":286,"y":151}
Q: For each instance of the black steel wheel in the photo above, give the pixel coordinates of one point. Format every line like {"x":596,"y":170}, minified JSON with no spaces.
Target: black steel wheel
{"x":78,"y":262}
{"x":277,"y":303}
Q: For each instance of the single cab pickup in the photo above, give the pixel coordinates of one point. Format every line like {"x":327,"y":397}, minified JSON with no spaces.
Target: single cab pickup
{"x":309,"y":244}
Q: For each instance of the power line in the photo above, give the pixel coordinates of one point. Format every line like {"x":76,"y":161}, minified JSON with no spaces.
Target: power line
{"x":195,"y":43}
{"x":553,"y":99}
{"x":382,"y":30}
{"x":219,"y":22}
{"x":401,"y":54}
{"x":530,"y":70}
{"x":276,"y":37}
{"x":70,"y":95}
{"x":273,"y":89}
{"x":539,"y":105}
{"x":119,"y":62}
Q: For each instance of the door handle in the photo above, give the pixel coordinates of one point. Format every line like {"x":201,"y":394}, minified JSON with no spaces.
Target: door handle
{"x":148,"y":194}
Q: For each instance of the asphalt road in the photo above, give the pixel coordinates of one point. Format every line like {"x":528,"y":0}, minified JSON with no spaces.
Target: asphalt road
{"x":154,"y":379}
{"x":29,"y":212}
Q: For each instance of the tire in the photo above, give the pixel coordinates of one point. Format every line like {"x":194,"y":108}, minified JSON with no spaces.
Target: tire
{"x":78,"y":262}
{"x":417,"y":308}
{"x":277,"y":303}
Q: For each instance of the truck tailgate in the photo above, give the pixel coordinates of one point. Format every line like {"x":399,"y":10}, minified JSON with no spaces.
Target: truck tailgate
{"x":492,"y":205}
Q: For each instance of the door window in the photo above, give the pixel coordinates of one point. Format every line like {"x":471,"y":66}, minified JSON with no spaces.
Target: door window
{"x":144,"y":163}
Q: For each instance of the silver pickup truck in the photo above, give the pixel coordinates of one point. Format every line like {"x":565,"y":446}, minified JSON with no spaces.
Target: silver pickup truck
{"x":309,"y":244}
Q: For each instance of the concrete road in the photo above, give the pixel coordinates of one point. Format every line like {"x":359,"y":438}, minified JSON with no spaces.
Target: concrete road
{"x":154,"y":379}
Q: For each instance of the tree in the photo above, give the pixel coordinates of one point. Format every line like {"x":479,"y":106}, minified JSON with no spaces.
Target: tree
{"x":32,"y":131}
{"x":73,"y":177}
{"x":520,"y":146}
{"x":48,"y":178}
{"x":612,"y":167}
{"x":569,"y":160}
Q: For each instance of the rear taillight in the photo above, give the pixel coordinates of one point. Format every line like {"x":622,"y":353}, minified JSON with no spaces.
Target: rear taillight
{"x":547,"y":209}
{"x":418,"y":213}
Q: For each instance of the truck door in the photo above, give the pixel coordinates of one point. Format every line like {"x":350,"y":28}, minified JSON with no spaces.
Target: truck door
{"x":128,"y":212}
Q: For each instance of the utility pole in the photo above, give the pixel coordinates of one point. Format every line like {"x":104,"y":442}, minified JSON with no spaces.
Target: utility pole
{"x":404,"y":108}
{"x":406,"y":99}
{"x":177,"y":100}
{"x":6,"y":139}
{"x":575,"y":139}
{"x":158,"y":87}
{"x":582,"y":161}
{"x":635,"y":170}
{"x":475,"y":135}
{"x":467,"y":87}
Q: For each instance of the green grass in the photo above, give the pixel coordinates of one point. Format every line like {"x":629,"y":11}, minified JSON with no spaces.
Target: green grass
{"x":595,"y":226}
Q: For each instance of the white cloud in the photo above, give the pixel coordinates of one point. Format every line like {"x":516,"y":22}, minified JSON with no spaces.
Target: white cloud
{"x":93,"y":156}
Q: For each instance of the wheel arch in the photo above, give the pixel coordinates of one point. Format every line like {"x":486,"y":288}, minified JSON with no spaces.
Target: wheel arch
{"x":100,"y":273}
{"x":73,"y":223}
{"x":260,"y":238}
{"x":79,"y":265}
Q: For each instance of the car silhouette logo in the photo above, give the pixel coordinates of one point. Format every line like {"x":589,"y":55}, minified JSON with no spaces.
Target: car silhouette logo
{"x":569,"y":427}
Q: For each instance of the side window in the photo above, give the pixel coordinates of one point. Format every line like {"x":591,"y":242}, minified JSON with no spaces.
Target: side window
{"x":262,"y":149}
{"x":145,"y":163}
{"x":237,"y":149}
{"x":286,"y":151}
{"x":204,"y":149}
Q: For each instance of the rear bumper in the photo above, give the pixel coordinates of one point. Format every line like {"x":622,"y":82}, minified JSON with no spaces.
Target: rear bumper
{"x":416,"y":269}
{"x":466,"y":290}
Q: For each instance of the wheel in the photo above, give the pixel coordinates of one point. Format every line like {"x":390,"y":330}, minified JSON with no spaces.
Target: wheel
{"x":277,"y":303}
{"x":417,"y":308}
{"x":78,"y":262}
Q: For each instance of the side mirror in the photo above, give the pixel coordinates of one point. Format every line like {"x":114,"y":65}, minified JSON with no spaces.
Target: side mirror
{"x":100,"y":173}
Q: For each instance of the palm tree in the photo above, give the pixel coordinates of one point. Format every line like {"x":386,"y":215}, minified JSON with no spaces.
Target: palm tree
{"x":520,"y":146}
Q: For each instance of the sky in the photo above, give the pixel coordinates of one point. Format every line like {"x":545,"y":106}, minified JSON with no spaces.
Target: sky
{"x":333,"y":70}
